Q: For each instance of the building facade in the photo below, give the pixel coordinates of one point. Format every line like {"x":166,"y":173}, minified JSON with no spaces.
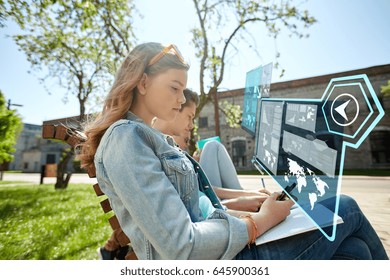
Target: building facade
{"x":32,"y":151}
{"x":373,"y":153}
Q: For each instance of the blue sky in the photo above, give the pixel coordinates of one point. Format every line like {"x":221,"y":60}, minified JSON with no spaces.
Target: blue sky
{"x":349,"y":35}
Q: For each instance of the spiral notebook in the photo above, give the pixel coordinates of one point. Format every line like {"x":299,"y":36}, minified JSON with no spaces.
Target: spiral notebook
{"x":296,"y":223}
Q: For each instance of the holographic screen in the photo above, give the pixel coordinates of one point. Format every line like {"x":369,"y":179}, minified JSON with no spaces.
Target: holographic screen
{"x":303,"y":141}
{"x":257,"y":85}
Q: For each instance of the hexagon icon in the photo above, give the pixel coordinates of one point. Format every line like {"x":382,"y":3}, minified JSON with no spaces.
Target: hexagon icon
{"x":351,"y":108}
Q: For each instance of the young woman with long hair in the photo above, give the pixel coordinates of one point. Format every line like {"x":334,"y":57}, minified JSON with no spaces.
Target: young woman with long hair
{"x":161,"y":196}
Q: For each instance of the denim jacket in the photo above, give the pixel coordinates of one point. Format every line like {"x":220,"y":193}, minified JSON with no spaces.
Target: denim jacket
{"x":153,"y":187}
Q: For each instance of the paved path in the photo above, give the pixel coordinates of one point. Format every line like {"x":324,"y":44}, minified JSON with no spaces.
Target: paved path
{"x":36,"y":177}
{"x":372,"y":194}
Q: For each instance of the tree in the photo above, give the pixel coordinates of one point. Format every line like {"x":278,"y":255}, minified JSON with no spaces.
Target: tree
{"x":78,"y":43}
{"x":13,"y":9}
{"x":386,"y":89}
{"x":222,"y":24}
{"x":2,"y":13}
{"x":10,"y":127}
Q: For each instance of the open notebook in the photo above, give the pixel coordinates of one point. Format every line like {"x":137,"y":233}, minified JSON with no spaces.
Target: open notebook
{"x":297,"y":222}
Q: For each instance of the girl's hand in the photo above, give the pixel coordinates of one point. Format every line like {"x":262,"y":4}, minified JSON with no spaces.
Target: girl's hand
{"x":253,"y":193}
{"x":272,"y":212}
{"x":264,"y":191}
{"x":245,"y":203}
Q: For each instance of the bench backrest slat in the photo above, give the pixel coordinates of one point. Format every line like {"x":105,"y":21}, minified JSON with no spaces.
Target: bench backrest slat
{"x":97,"y":190}
{"x":114,"y":222}
{"x":74,"y":138}
{"x":106,"y":205}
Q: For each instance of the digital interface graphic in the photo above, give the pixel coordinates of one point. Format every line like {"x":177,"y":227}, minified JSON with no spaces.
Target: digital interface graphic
{"x":257,"y":85}
{"x":303,"y":141}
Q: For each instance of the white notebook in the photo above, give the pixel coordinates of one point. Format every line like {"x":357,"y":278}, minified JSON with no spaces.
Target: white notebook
{"x":295,"y":223}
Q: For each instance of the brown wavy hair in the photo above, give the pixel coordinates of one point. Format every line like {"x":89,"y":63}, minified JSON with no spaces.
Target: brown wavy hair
{"x":191,"y":97}
{"x":120,"y":97}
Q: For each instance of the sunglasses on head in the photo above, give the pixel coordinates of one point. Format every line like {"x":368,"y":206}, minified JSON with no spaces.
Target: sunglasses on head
{"x":169,"y":49}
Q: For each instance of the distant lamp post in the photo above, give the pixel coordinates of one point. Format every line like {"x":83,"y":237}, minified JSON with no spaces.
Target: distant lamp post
{"x":12,"y":104}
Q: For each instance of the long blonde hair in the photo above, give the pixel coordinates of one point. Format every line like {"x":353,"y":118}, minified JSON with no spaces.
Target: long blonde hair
{"x":120,"y":97}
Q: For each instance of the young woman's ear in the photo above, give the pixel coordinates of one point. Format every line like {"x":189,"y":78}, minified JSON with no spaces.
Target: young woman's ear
{"x":141,"y":86}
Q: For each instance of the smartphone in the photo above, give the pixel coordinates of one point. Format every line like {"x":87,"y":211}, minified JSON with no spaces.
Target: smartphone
{"x":288,"y":189}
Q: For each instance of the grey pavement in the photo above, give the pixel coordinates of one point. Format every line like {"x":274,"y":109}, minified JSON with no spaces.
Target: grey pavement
{"x":371,"y":193}
{"x":36,"y":177}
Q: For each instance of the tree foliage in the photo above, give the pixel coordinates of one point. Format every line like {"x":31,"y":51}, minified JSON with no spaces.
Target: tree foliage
{"x":78,"y":43}
{"x":2,"y":13}
{"x":223,"y":24}
{"x":10,"y":126}
{"x":232,"y":112}
{"x":386,"y":89}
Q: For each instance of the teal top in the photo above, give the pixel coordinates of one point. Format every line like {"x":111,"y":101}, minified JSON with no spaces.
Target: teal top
{"x":205,"y":205}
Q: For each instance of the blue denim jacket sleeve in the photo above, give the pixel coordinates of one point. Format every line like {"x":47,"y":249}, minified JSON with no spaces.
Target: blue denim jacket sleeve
{"x":149,"y":207}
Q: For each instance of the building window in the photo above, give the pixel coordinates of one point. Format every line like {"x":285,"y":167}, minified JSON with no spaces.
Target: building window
{"x":239,"y":153}
{"x":380,"y":148}
{"x":25,"y":165}
{"x":203,"y":122}
{"x":50,"y":158}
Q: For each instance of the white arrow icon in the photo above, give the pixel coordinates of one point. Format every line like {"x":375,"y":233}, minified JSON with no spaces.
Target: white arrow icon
{"x":341,"y":109}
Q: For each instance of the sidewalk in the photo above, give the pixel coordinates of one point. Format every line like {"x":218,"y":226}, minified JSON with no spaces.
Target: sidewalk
{"x":371,"y":193}
{"x":36,"y":177}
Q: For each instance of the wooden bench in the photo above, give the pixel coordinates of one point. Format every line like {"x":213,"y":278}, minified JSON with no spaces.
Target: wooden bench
{"x":73,"y":137}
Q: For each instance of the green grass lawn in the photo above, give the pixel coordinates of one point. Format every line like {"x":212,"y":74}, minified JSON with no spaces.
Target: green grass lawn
{"x":38,"y":222}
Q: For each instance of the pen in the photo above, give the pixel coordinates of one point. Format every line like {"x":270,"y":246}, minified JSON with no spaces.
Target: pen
{"x":262,"y":181}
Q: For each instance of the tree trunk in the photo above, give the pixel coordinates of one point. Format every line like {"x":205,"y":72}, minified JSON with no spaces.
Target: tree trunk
{"x":82,"y":110}
{"x":192,"y":144}
{"x":216,"y":113}
{"x":63,"y":176}
{"x":204,"y":99}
